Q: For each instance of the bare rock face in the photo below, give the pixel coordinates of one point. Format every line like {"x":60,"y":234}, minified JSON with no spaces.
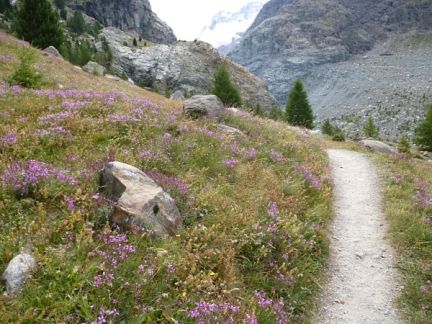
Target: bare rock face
{"x":185,"y":66}
{"x":139,"y":200}
{"x":204,"y":106}
{"x":129,"y":16}
{"x":356,"y":59}
{"x":18,"y":271}
{"x":377,"y":146}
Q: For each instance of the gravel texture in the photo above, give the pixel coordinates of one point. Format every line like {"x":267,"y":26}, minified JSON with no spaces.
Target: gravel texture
{"x":362,"y":283}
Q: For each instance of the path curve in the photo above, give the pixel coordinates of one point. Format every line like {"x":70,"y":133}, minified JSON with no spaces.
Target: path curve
{"x":362,"y":281}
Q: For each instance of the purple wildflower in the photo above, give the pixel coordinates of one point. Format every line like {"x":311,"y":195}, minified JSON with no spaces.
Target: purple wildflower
{"x":9,"y":139}
{"x":273,"y":211}
{"x":309,"y":177}
{"x":263,"y":302}
{"x":422,"y":196}
{"x":276,"y":156}
{"x":70,"y":203}
{"x":250,"y":154}
{"x":231,"y":163}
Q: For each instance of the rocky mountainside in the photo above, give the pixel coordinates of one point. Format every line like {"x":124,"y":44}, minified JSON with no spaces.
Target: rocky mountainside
{"x":308,"y":39}
{"x":128,"y":15}
{"x":184,"y":66}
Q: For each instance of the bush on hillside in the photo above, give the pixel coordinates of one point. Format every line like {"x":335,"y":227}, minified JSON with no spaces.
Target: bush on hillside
{"x":77,"y":23}
{"x":25,"y":74}
{"x":424,"y":132}
{"x":36,"y":22}
{"x":298,"y":110}
{"x":327,"y":128}
{"x":276,"y":113}
{"x":338,"y":135}
{"x":370,"y":129}
{"x":224,"y":88}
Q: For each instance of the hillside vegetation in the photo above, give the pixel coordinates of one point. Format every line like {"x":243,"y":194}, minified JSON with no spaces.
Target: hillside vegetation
{"x":255,"y":206}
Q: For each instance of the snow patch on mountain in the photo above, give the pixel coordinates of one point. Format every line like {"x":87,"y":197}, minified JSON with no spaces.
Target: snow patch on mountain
{"x":227,"y":26}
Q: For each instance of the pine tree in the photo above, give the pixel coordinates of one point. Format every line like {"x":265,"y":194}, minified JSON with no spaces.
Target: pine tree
{"x":327,"y":128}
{"x":224,"y":88}
{"x":298,"y":110}
{"x":424,"y":132}
{"x":77,"y":23}
{"x":370,"y":129}
{"x":4,"y":5}
{"x":37,"y":23}
{"x":134,"y":42}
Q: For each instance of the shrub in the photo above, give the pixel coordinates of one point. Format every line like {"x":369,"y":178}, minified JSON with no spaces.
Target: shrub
{"x":338,"y":135}
{"x":298,"y":110}
{"x":37,"y":23}
{"x":424,"y":132}
{"x":25,"y":74}
{"x":77,"y":23}
{"x":404,"y":146}
{"x":134,"y":42}
{"x":224,"y":88}
{"x":327,"y":128}
{"x":276,"y":113}
{"x":370,"y":129}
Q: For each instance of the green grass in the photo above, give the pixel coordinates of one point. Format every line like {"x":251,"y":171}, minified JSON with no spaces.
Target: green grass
{"x":229,"y":248}
{"x":411,"y":232}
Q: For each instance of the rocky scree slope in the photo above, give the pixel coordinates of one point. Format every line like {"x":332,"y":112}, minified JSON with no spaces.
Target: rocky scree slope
{"x":294,"y":39}
{"x":184,"y":66}
{"x":128,"y":15}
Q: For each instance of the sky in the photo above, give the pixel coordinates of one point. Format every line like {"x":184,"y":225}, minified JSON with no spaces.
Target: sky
{"x":188,"y":17}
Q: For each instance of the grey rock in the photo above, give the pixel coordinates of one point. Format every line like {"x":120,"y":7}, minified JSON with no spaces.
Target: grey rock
{"x":112,"y":77}
{"x":52,"y":51}
{"x":18,"y":271}
{"x":129,"y":16}
{"x":177,"y":95}
{"x":138,"y":200}
{"x":377,"y":146}
{"x":230,"y":130}
{"x":204,"y":106}
{"x":94,"y":68}
{"x":185,"y":66}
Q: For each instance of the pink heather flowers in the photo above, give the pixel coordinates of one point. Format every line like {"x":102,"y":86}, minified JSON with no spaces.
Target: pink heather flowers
{"x":23,"y":176}
{"x":422,"y":196}
{"x":146,"y":154}
{"x":11,"y":138}
{"x":276,"y":156}
{"x":204,"y":312}
{"x":230,"y":163}
{"x":309,"y":177}
{"x":273,"y":211}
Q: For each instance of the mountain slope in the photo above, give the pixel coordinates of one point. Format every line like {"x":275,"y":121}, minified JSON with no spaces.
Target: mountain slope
{"x":128,"y":15}
{"x":293,"y":39}
{"x":254,"y":205}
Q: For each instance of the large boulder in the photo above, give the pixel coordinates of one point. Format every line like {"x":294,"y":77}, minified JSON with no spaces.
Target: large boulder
{"x":19,"y":270}
{"x":94,"y":68}
{"x":185,"y":66}
{"x":377,"y":146}
{"x":204,"y":106}
{"x":52,"y":51}
{"x":138,"y":200}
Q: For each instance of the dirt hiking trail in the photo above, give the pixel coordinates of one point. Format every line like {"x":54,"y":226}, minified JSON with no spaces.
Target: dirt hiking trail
{"x":362,"y":283}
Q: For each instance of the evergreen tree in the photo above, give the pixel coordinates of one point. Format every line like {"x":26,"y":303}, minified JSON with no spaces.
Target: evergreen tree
{"x":276,"y":113}
{"x":4,"y":5}
{"x":424,"y":132}
{"x":404,"y":145}
{"x":77,"y":23}
{"x":370,"y":129}
{"x":298,"y":110}
{"x":327,"y":128}
{"x":60,"y":4}
{"x":135,"y":43}
{"x":37,"y":23}
{"x":224,"y":88}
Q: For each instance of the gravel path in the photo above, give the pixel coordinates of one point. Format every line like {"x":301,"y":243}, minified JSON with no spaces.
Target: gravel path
{"x":362,"y":281}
